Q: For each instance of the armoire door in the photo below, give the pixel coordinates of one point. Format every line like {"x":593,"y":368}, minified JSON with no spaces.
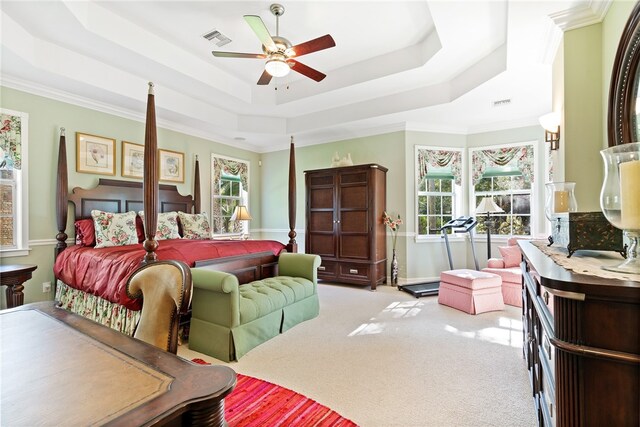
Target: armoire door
{"x":322,"y":222}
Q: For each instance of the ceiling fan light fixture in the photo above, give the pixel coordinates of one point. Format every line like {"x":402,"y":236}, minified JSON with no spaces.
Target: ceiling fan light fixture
{"x":277,"y":67}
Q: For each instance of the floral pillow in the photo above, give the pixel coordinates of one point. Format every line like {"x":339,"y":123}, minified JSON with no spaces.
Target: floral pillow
{"x":113,"y":229}
{"x":167,"y":227}
{"x":195,"y":226}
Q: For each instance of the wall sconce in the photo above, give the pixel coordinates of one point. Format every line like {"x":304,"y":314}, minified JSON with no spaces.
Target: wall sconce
{"x":551,"y":125}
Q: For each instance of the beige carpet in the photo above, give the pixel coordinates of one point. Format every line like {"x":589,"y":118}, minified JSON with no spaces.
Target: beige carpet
{"x":385,"y":358}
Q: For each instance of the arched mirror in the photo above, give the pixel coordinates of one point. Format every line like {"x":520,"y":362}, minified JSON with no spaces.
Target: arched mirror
{"x":624,"y":108}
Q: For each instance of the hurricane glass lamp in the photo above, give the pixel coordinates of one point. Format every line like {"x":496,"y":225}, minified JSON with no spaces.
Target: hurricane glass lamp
{"x":561,"y":200}
{"x":620,"y":198}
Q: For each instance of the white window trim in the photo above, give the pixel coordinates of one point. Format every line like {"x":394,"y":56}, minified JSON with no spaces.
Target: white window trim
{"x":22,"y":196}
{"x":538,"y":181}
{"x":457,"y":198}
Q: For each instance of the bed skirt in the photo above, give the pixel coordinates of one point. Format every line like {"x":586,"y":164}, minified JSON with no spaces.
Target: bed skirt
{"x":100,"y":310}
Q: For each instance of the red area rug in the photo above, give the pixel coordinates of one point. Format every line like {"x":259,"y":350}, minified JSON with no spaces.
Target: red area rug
{"x":255,"y":402}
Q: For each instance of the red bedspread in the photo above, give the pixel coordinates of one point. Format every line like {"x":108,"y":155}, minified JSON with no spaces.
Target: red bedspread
{"x":104,"y":272}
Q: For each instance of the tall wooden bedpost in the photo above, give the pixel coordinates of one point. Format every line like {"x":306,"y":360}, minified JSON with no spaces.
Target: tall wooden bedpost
{"x":150,"y":182}
{"x":196,"y":186}
{"x":292,"y":246}
{"x":62,"y":197}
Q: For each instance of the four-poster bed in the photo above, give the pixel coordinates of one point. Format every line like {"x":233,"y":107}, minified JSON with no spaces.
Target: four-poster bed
{"x":91,"y":281}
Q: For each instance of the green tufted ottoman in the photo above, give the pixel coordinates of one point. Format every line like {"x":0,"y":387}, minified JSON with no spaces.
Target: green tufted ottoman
{"x":229,"y":319}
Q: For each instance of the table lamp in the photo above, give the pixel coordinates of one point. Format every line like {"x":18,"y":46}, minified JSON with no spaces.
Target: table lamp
{"x":242,"y":214}
{"x":488,"y":206}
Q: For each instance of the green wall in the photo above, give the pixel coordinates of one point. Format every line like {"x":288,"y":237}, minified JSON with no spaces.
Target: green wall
{"x":418,"y":260}
{"x":583,"y":114}
{"x":589,"y":53}
{"x":46,"y":116}
{"x":386,"y":150}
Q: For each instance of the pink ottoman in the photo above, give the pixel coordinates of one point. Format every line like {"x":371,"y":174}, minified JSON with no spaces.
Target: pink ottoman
{"x":471,"y":291}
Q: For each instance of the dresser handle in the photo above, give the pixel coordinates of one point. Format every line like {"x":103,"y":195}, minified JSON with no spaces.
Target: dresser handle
{"x":353,"y":271}
{"x":545,"y":296}
{"x":322,"y":268}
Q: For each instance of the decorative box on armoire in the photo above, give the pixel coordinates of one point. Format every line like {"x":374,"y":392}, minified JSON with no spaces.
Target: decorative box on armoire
{"x":344,"y":208}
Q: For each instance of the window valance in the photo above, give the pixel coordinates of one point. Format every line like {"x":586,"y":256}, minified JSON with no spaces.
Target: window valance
{"x":227,"y":168}
{"x":10,"y":142}
{"x":520,"y":157}
{"x":440,"y":159}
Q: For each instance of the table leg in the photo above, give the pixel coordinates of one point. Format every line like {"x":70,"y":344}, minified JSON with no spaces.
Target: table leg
{"x":15,"y":296}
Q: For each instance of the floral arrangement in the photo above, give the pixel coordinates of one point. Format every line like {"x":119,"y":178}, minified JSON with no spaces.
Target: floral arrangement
{"x":394,"y":226}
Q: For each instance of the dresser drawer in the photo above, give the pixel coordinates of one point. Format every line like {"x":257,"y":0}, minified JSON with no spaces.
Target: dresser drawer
{"x":547,"y":298}
{"x":547,"y":400}
{"x":548,"y":354}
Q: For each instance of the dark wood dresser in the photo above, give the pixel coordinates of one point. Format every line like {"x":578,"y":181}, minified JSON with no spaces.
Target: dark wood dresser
{"x":581,"y":344}
{"x":344,"y":207}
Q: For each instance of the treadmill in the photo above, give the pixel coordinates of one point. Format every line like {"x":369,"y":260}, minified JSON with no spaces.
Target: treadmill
{"x":463,"y":224}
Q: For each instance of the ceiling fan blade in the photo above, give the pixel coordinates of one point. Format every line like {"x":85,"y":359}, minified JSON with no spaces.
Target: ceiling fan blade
{"x":314,"y":45}
{"x":265,"y":78}
{"x":258,"y":27}
{"x":306,"y":70}
{"x":238,"y":55}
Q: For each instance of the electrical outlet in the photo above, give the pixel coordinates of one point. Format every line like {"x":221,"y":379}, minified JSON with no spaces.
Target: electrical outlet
{"x":46,"y":287}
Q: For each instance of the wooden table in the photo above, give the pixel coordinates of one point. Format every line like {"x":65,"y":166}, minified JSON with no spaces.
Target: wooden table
{"x":59,"y":368}
{"x":13,"y":276}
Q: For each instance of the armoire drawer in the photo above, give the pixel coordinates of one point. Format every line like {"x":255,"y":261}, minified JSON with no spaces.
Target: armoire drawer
{"x":327,"y":270}
{"x":353,"y":271}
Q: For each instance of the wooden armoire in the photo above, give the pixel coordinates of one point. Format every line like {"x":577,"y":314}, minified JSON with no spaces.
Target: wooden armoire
{"x":344,"y":208}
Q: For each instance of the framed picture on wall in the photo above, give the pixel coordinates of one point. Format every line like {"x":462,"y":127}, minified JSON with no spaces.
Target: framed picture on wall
{"x":171,"y":165}
{"x":95,"y":154}
{"x":132,"y":160}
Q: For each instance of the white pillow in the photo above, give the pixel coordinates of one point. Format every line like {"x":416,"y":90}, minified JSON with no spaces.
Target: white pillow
{"x":167,"y":227}
{"x":195,"y":226}
{"x":113,"y":229}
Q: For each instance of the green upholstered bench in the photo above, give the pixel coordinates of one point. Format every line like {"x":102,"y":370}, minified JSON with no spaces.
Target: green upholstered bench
{"x":229,"y":319}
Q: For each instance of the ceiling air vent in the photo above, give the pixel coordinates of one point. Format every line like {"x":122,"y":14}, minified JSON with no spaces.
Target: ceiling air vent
{"x":502,"y":102}
{"x":217,"y":37}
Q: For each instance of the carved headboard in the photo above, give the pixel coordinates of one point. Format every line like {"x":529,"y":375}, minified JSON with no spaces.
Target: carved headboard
{"x":111,"y":195}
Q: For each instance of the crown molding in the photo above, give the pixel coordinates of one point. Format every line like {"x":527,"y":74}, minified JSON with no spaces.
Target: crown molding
{"x":16,"y":83}
{"x":331,"y":136}
{"x":581,"y":16}
{"x":513,"y":124}
{"x":435,"y":128}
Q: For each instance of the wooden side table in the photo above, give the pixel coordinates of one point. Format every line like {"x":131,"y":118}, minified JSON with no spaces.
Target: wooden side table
{"x":13,"y":276}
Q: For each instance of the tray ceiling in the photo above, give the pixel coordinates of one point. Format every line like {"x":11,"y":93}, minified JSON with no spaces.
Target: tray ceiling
{"x":425,"y":65}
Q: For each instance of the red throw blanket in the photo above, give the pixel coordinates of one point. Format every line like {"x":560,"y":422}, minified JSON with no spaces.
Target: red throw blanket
{"x":104,"y":272}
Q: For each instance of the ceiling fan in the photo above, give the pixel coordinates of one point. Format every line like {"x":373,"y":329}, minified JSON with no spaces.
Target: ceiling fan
{"x":279,"y":52}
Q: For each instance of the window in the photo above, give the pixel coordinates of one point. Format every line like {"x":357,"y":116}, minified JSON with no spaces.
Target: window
{"x":506,"y":175}
{"x":230,"y":189}
{"x":438,"y":188}
{"x":13,"y":183}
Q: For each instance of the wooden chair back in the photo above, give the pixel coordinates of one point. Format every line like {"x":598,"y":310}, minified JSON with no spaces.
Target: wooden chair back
{"x":165,"y":287}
